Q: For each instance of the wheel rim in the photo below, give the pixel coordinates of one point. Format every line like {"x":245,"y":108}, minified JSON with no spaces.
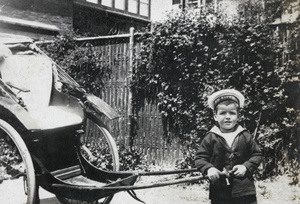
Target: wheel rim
{"x":99,"y":142}
{"x":16,"y":162}
{"x":98,"y":139}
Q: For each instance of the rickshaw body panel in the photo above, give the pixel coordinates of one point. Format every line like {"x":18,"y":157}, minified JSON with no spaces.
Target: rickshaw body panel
{"x":54,"y":149}
{"x":10,"y":111}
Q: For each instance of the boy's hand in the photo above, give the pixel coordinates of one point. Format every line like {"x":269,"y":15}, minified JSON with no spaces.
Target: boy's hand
{"x":213,"y":174}
{"x":239,"y":171}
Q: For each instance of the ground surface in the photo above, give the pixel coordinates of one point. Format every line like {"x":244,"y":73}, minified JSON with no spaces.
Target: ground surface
{"x":269,"y":191}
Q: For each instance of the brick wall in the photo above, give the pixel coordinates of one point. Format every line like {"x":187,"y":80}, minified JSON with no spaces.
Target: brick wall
{"x":56,"y":7}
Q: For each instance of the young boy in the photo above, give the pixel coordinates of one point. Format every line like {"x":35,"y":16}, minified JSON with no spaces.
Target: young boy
{"x":228,"y":155}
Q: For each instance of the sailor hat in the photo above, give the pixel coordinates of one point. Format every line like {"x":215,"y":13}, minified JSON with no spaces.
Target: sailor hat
{"x":226,"y":94}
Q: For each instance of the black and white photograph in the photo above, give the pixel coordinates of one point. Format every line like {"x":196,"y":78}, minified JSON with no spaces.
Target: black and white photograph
{"x":149,"y":101}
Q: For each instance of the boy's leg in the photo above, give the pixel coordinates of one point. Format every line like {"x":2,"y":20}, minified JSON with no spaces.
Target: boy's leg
{"x":250,"y":199}
{"x":222,"y":197}
{"x":218,"y":201}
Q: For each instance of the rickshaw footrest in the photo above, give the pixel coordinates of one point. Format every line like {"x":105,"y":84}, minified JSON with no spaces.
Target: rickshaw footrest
{"x":67,"y":172}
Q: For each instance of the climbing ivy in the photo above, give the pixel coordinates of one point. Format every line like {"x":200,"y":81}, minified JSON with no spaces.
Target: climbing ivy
{"x":82,"y":63}
{"x":193,"y":54}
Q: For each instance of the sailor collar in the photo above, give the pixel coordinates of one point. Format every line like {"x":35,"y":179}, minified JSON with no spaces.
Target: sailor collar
{"x":217,"y":130}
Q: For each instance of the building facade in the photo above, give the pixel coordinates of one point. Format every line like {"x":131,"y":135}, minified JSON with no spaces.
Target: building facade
{"x":38,"y":19}
{"x":110,"y":17}
{"x":43,"y":19}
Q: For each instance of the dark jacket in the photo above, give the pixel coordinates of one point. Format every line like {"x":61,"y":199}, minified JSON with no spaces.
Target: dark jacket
{"x":215,"y":152}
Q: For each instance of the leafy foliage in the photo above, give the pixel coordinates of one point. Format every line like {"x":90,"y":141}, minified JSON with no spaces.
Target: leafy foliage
{"x":9,"y":153}
{"x":274,"y":8}
{"x":83,"y":63}
{"x":101,"y":156}
{"x":132,"y":159}
{"x":10,"y":158}
{"x":193,"y":54}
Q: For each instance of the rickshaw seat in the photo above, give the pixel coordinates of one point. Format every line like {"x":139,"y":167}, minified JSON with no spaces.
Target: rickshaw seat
{"x":34,"y":73}
{"x":54,"y":117}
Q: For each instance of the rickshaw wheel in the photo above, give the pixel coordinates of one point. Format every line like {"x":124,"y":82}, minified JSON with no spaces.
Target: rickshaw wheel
{"x":100,"y":149}
{"x":14,"y":153}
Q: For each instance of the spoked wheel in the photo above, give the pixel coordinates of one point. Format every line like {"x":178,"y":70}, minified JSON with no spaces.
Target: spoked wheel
{"x":17,"y":176}
{"x":99,"y":147}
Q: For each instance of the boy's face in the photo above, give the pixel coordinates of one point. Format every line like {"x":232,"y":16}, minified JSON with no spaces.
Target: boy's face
{"x":227,"y":116}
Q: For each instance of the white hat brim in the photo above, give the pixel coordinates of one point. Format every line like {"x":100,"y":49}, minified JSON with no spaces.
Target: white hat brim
{"x":226,"y":92}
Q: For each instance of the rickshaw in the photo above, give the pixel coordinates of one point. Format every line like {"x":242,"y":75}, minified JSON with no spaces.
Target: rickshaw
{"x":51,"y":138}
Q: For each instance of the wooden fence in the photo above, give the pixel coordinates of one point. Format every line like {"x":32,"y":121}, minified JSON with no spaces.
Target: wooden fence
{"x":118,"y":51}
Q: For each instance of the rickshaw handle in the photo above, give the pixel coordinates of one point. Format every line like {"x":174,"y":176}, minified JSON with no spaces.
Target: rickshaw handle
{"x":155,"y":185}
{"x":161,"y":184}
{"x":137,"y":187}
{"x":155,"y":173}
{"x":224,"y":174}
